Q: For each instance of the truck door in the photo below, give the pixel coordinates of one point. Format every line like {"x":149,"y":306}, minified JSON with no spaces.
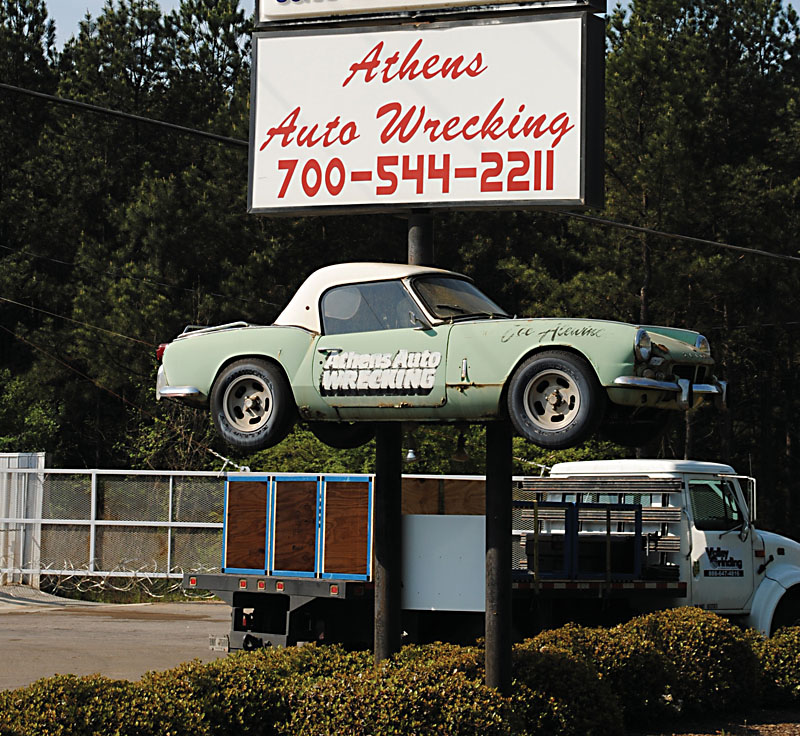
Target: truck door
{"x":722,"y":549}
{"x":377,"y":350}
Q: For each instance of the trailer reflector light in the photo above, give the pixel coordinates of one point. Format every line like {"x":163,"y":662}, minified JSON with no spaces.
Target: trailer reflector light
{"x":262,"y":584}
{"x":279,"y":586}
{"x":193,"y":581}
{"x":242,"y":583}
{"x":334,"y":590}
{"x":760,"y":553}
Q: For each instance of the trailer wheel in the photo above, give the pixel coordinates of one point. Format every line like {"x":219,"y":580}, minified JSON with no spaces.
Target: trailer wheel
{"x":555,"y":399}
{"x":252,"y":405}
{"x":342,"y":435}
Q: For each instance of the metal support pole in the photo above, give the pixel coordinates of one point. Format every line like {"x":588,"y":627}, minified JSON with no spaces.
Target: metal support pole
{"x":387,"y":539}
{"x":420,"y":238}
{"x":498,"y":556}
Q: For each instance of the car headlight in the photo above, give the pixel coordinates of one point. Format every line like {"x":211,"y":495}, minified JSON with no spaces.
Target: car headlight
{"x":643,"y":345}
{"x":702,"y":344}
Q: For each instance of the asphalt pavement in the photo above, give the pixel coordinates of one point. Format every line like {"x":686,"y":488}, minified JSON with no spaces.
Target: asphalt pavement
{"x":42,"y":635}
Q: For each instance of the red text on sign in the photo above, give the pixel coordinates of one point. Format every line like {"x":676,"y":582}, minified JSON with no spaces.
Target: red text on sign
{"x":288,"y":132}
{"x":412,"y":67}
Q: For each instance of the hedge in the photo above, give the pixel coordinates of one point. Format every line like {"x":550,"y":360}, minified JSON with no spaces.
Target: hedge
{"x":571,"y":681}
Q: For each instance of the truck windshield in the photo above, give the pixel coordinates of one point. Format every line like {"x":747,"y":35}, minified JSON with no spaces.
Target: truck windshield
{"x":450,"y":298}
{"x":714,"y":505}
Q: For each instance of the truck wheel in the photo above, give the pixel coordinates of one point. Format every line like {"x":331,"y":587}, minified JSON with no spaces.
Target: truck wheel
{"x":252,"y":405}
{"x":788,"y":611}
{"x":555,"y":399}
{"x":342,"y":435}
{"x":634,"y":427}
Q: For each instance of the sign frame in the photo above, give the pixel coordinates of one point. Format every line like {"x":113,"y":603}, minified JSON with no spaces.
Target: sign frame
{"x":591,"y":110}
{"x":296,"y":11}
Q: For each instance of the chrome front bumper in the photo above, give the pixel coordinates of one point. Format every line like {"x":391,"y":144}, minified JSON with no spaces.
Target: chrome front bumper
{"x":685,"y":389}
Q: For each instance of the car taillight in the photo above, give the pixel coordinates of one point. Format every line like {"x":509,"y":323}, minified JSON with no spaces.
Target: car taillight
{"x":160,"y":351}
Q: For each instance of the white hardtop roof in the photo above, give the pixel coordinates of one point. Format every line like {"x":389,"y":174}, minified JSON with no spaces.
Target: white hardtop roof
{"x":302,"y":310}
{"x":639,"y":467}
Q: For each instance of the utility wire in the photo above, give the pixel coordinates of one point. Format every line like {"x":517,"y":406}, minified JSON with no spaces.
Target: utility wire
{"x":97,"y":384}
{"x":243,"y":143}
{"x":77,"y":322}
{"x":685,"y":238}
{"x":124,"y":115}
{"x":118,"y":273}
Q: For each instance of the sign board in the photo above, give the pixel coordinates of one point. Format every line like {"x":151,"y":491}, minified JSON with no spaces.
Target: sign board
{"x":270,"y":11}
{"x":485,"y":113}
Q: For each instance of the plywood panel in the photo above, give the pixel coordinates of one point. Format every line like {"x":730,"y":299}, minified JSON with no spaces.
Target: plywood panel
{"x":420,"y":496}
{"x":295,"y":525}
{"x":246,"y":525}
{"x":466,"y":497}
{"x":346,"y":527}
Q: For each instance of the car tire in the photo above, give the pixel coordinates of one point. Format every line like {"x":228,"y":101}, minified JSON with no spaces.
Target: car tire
{"x":252,"y":405}
{"x":633,"y":427}
{"x":555,"y":399}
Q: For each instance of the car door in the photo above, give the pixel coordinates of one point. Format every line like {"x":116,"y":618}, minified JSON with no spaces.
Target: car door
{"x":722,"y":548}
{"x":378,"y":351}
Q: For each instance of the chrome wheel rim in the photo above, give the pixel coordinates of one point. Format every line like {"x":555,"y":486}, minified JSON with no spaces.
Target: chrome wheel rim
{"x":551,"y":400}
{"x":247,"y":403}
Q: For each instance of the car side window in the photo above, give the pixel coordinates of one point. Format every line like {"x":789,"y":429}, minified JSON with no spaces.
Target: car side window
{"x":714,"y":505}
{"x":381,"y":305}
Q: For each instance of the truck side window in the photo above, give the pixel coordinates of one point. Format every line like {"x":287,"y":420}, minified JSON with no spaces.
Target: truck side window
{"x":714,"y":505}
{"x":384,"y":305}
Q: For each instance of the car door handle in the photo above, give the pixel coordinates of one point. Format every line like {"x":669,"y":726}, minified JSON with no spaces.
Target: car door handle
{"x":329,"y":351}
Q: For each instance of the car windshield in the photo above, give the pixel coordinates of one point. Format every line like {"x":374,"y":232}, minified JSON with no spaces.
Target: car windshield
{"x":452,"y":298}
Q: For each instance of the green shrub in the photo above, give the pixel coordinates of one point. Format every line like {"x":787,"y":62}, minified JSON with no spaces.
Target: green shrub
{"x":88,"y":706}
{"x":715,"y":667}
{"x":422,"y":691}
{"x":555,"y":692}
{"x":780,"y":662}
{"x":635,"y":670}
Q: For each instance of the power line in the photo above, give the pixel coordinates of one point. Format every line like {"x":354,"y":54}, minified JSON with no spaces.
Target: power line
{"x":240,"y":142}
{"x":118,"y":273}
{"x":685,"y":238}
{"x":77,"y":322}
{"x":124,"y":115}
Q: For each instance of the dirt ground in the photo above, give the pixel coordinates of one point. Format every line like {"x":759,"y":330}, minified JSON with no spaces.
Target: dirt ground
{"x":41,"y":635}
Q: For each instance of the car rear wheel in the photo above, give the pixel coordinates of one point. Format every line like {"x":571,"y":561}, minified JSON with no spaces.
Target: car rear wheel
{"x":555,"y":400}
{"x":342,"y":435}
{"x":252,"y":405}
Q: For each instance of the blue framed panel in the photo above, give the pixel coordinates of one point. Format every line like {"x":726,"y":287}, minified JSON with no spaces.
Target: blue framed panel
{"x":295,"y":526}
{"x":345,"y":533}
{"x":246,"y":527}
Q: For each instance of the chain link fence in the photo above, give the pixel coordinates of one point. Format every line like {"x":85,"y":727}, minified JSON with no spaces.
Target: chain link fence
{"x":102,"y":529}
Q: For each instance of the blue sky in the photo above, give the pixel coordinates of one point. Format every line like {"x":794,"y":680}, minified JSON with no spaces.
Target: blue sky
{"x":68,"y":13}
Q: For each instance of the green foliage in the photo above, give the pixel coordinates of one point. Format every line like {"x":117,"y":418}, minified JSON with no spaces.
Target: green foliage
{"x":780,"y":662}
{"x":639,"y":675}
{"x":555,"y":692}
{"x":66,"y":705}
{"x":714,"y":663}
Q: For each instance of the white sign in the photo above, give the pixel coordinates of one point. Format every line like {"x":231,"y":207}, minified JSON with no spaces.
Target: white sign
{"x":452,"y":114}
{"x":277,"y":10}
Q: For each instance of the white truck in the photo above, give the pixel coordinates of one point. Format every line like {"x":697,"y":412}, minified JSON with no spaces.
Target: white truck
{"x":593,"y":542}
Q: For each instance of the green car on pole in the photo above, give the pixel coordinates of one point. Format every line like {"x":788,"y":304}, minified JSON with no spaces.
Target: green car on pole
{"x":361,"y":343}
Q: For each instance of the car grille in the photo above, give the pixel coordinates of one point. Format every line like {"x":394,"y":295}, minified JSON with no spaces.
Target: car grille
{"x":696,"y":374}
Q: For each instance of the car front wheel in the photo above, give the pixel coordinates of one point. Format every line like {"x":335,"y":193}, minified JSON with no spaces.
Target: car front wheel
{"x":555,"y":400}
{"x":252,"y":405}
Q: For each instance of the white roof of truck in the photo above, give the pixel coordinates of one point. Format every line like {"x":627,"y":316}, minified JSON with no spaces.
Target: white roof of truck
{"x":302,"y":310}
{"x":639,"y":467}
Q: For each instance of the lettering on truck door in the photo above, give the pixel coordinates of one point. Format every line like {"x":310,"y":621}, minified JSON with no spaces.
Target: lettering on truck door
{"x":722,"y":549}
